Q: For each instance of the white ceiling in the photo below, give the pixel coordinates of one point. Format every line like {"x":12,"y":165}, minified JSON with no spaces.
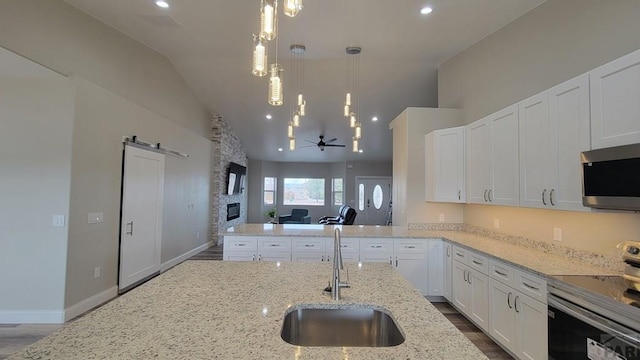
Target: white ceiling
{"x":210,"y":43}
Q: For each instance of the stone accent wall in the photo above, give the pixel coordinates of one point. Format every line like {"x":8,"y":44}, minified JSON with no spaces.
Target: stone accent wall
{"x":226,"y":148}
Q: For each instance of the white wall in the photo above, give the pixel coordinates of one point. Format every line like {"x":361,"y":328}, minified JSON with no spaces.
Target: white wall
{"x":36,"y":118}
{"x":554,"y":42}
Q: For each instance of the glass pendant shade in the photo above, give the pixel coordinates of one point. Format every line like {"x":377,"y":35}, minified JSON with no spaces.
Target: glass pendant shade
{"x":268,"y":19}
{"x":352,"y":120}
{"x":300,"y":99}
{"x":303,"y":108}
{"x":276,"y":97}
{"x":296,"y":119}
{"x":292,"y":144}
{"x":292,"y":7}
{"x":347,"y":101}
{"x":290,"y":130}
{"x":355,"y":145}
{"x":347,"y":111}
{"x":358,"y":131}
{"x":259,"y":57}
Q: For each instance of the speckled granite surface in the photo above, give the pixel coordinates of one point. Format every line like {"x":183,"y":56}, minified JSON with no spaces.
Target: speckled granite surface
{"x":532,"y":256}
{"x":234,"y":310}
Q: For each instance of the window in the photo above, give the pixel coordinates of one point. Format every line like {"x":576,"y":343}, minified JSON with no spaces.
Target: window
{"x":301,"y":191}
{"x":336,"y":190}
{"x":269,"y":195}
{"x":361,"y":197}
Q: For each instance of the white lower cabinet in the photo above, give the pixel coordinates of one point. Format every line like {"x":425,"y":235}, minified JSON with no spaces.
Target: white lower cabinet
{"x":410,"y":258}
{"x":448,"y":271}
{"x":518,"y":321}
{"x":470,"y":287}
{"x":240,"y":248}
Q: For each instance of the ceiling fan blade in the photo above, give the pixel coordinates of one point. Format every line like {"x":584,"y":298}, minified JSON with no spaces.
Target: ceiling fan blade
{"x":306,"y":146}
{"x":338,"y":145}
{"x":313,"y":142}
{"x":332,"y":140}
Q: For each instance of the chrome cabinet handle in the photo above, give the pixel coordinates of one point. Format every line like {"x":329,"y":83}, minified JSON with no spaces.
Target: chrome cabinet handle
{"x":396,"y":261}
{"x":551,"y":197}
{"x":410,"y":247}
{"x":376,"y":246}
{"x":322,"y":258}
{"x":530,"y":286}
{"x":274,"y":245}
{"x":241,"y":244}
{"x":485,"y":195}
{"x":515,"y":304}
{"x":130,"y":232}
{"x":309,"y":245}
{"x":464,"y":275}
{"x":509,"y":300}
{"x":477,"y":262}
{"x":543,"y":193}
{"x":500,"y":273}
{"x":490,"y":199}
{"x":448,"y":251}
{"x":390,"y":261}
{"x":253,"y":258}
{"x":469,"y":277}
{"x":459,"y":198}
{"x":260,"y":257}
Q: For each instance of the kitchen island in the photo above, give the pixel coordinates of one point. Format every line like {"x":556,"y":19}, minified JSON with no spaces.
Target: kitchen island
{"x":234,"y":310}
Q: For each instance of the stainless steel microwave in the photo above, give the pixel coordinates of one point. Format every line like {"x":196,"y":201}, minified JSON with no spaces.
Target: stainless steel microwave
{"x":611,"y":178}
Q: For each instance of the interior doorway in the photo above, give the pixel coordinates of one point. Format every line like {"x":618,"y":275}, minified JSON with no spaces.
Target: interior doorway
{"x":141,"y":221}
{"x":373,"y":196}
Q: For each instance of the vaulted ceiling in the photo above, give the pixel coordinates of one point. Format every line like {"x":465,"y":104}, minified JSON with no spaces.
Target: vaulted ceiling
{"x":210,"y":44}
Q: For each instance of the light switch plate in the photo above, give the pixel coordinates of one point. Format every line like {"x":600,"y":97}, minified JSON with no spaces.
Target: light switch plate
{"x":93,"y":218}
{"x":557,"y":234}
{"x":57,"y":221}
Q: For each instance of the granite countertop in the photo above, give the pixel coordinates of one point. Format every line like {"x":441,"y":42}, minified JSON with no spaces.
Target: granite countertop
{"x":531,"y":258}
{"x":234,"y":310}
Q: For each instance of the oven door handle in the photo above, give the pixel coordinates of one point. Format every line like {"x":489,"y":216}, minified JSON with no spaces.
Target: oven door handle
{"x":595,"y":320}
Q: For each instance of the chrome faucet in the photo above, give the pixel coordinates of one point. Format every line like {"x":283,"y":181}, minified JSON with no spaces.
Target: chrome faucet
{"x":337,"y":266}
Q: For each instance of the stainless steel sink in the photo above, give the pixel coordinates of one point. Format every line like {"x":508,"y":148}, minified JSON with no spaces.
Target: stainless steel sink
{"x":345,"y":326}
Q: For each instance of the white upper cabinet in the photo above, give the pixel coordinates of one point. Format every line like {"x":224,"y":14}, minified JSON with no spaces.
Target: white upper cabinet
{"x":615,"y":102}
{"x":492,"y":158}
{"x":554,"y":129}
{"x":445,"y":165}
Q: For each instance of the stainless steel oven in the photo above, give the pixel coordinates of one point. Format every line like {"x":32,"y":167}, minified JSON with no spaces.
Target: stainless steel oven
{"x":593,"y":317}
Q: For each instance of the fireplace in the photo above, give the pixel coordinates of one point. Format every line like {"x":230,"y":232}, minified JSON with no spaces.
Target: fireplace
{"x":233,"y":211}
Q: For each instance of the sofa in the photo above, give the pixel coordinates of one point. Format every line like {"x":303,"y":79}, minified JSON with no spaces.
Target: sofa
{"x":297,"y":216}
{"x":346,"y":216}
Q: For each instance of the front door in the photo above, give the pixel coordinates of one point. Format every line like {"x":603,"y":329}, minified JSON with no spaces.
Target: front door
{"x":373,"y":197}
{"x":141,"y":223}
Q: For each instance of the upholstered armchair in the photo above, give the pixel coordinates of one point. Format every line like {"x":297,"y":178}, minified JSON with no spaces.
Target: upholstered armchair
{"x":297,"y":216}
{"x":346,"y":216}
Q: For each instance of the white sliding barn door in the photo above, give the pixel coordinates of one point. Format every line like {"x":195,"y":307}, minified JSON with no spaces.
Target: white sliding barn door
{"x":141,"y":223}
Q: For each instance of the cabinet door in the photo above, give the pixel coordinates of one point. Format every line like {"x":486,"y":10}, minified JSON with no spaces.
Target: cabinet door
{"x":239,"y":256}
{"x":414,"y":268}
{"x":448,"y":271}
{"x":504,"y":157}
{"x":502,"y":316}
{"x":569,"y":123}
{"x":461,"y":291}
{"x":376,"y":250}
{"x":532,"y":328}
{"x":275,"y":256}
{"x":615,"y":109}
{"x":478,"y":161}
{"x":435,"y":268}
{"x":534,"y":142}
{"x":479,"y":294}
{"x":447,"y":176}
{"x":309,"y":256}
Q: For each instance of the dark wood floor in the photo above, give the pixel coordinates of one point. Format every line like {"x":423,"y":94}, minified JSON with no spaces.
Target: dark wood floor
{"x":15,"y":337}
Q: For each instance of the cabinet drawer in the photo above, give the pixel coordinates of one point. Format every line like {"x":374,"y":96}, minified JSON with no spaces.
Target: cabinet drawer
{"x":410,"y":246}
{"x":309,"y":244}
{"x":274,"y":244}
{"x":240,"y":243}
{"x":460,"y":254}
{"x":502,"y":272}
{"x":376,"y":245}
{"x":478,"y":262}
{"x":348,"y":245}
{"x":532,"y":285}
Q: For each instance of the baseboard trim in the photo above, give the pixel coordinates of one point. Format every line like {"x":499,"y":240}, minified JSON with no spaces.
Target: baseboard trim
{"x":31,"y":317}
{"x":90,"y":303}
{"x":177,"y":260}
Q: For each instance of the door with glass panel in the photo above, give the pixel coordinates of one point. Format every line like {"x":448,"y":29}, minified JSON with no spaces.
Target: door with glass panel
{"x":373,"y":196}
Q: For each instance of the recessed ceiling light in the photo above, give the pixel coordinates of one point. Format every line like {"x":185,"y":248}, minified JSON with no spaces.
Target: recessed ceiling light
{"x":280,"y":149}
{"x":268,"y":116}
{"x":360,"y":151}
{"x":375,"y":118}
{"x":162,"y":3}
{"x":426,"y":10}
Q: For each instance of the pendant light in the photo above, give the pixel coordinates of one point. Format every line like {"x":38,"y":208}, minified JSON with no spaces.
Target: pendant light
{"x":292,"y":7}
{"x":268,"y":19}
{"x":292,"y":144}
{"x":352,"y":98}
{"x":297,"y":70}
{"x":259,"y":56}
{"x":276,"y":98}
{"x":355,"y":145}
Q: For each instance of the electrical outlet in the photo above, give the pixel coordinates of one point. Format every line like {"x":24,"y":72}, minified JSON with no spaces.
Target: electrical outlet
{"x":496,"y":223}
{"x":557,"y":234}
{"x":96,"y":272}
{"x":441,"y":217}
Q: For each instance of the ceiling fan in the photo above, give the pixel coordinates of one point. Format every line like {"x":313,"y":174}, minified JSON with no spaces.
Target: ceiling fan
{"x":322,"y":144}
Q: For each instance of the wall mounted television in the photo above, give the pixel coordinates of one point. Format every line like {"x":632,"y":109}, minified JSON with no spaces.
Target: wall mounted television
{"x":235,"y":178}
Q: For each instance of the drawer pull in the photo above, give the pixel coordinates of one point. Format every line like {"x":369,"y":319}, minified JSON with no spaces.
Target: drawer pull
{"x":274,"y":245}
{"x":500,"y":273}
{"x":410,"y":247}
{"x":509,"y":300}
{"x":241,"y":244}
{"x":530,"y":286}
{"x":459,"y":255}
{"x":309,"y":245}
{"x":477,"y":262}
{"x":376,"y":246}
